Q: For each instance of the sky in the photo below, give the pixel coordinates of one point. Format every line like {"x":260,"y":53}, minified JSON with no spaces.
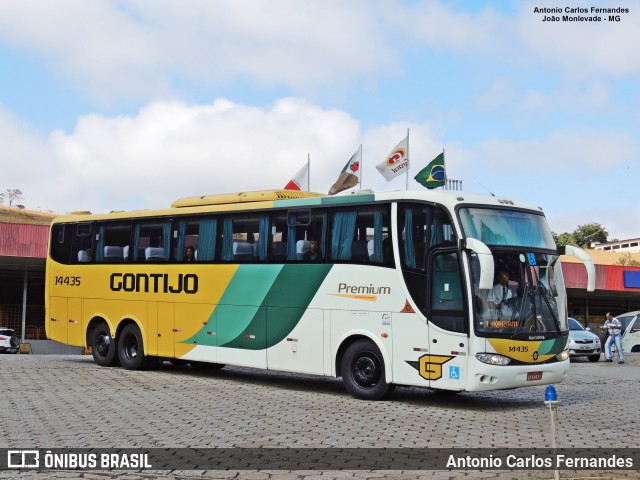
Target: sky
{"x":132,"y":104}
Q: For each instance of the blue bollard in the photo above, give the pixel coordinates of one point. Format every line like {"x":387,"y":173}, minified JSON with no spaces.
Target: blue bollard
{"x":550,"y":394}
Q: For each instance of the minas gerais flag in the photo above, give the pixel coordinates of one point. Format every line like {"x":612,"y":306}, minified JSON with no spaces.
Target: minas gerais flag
{"x":300,"y":180}
{"x":434,"y":174}
{"x":349,"y":176}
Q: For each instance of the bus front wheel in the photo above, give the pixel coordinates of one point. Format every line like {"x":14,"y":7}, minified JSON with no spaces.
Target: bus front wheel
{"x":103,"y":348}
{"x":363,"y":371}
{"x":131,"y":348}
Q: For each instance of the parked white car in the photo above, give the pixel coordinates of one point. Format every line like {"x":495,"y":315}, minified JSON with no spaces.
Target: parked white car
{"x":9,"y":342}
{"x":583,"y":343}
{"x":631,"y":331}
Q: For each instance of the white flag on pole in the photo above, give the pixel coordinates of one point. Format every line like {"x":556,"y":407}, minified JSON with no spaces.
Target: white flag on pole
{"x":300,"y":180}
{"x":397,"y":161}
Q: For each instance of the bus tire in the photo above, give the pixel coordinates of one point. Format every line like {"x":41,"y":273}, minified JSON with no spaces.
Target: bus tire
{"x":363,"y":371}
{"x":131,"y":348}
{"x":103,"y":348}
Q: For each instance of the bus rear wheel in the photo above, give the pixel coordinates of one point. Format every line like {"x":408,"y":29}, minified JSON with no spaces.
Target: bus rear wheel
{"x":131,"y":349}
{"x":103,"y":348}
{"x":363,"y":371}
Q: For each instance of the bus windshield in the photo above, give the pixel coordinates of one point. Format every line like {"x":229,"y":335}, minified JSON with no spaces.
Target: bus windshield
{"x":506,"y":227}
{"x":527,"y":298}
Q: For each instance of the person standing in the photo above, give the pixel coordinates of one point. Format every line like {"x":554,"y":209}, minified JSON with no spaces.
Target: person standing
{"x":614,"y":327}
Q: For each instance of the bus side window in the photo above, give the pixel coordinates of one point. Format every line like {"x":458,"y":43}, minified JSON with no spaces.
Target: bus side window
{"x":423,"y":228}
{"x":151,"y":241}
{"x":279,"y":232}
{"x":82,"y":243}
{"x":111,"y":241}
{"x":302,"y":227}
{"x":61,"y":243}
{"x":361,"y":235}
{"x":245,"y":238}
{"x":199,"y":235}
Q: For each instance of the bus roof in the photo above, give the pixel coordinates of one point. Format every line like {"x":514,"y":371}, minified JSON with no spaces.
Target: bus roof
{"x":264,"y":199}
{"x":242,"y":197}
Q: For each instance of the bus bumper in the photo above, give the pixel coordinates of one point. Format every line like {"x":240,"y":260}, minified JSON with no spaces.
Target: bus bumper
{"x":497,"y":377}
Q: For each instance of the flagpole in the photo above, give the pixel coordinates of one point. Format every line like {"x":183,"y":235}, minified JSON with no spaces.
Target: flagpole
{"x":445,"y":171}
{"x":406,"y":184}
{"x":308,"y":172}
{"x":361,"y":168}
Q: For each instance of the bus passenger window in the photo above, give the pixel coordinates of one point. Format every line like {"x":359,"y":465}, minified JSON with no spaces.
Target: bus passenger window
{"x":361,"y":236}
{"x":151,"y":241}
{"x":112,"y":240}
{"x":196,"y":239}
{"x":303,"y":227}
{"x":245,"y":238}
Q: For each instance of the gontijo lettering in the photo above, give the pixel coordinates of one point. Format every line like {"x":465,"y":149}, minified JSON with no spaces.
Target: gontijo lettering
{"x":154,"y":282}
{"x":363,"y":289}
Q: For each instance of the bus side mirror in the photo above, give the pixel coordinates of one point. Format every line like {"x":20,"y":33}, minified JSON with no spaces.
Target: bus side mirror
{"x":586,"y":260}
{"x":485,"y":258}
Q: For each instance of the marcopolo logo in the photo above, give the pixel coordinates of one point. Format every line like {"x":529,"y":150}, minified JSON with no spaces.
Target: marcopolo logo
{"x":154,"y":282}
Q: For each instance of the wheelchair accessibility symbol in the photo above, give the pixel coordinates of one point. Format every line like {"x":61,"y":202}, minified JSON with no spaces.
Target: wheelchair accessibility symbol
{"x":454,"y":373}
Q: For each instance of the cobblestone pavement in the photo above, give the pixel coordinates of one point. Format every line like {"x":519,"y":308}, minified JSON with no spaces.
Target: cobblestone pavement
{"x":59,"y":401}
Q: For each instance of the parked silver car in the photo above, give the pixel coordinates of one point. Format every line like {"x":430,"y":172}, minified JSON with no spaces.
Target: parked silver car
{"x":9,"y":342}
{"x":583,"y":343}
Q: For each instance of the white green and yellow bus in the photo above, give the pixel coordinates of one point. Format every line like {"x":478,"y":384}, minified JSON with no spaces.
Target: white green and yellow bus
{"x":399,"y":290}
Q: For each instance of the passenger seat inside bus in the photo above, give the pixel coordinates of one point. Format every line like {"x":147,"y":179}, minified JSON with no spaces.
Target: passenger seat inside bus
{"x":113,"y":253}
{"x":302,"y":247}
{"x":278,"y":250}
{"x":359,"y":251}
{"x":242,"y":251}
{"x":154,"y":254}
{"x":83,"y":256}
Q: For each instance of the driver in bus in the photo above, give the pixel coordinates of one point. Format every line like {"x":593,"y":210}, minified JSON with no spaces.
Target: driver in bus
{"x":500,"y":297}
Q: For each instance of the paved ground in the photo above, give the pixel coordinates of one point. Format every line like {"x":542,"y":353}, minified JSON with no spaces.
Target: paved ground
{"x":58,"y":401}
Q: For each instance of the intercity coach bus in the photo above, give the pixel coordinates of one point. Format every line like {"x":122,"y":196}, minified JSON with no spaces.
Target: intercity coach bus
{"x":381,"y":289}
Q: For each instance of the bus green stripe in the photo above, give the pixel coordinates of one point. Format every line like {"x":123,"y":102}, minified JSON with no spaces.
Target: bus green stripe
{"x":295,"y":287}
{"x":550,"y":347}
{"x":283,"y":292}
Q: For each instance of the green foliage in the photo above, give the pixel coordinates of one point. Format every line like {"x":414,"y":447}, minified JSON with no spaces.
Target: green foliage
{"x":588,"y":233}
{"x":626,"y":260}
{"x":564,"y":239}
{"x":582,"y":236}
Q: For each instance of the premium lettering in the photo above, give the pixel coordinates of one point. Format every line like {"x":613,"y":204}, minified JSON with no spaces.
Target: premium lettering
{"x":363,"y":289}
{"x":154,"y":282}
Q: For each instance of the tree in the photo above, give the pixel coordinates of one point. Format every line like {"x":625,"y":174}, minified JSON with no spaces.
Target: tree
{"x":564,"y":239}
{"x":588,"y":233}
{"x":628,"y":261}
{"x":13,"y":194}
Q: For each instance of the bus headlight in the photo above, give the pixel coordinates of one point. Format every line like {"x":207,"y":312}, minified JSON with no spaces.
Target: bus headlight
{"x":493,"y":358}
{"x":563,"y":355}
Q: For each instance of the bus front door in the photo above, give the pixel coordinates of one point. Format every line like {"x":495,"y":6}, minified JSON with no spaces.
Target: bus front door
{"x":448,"y":323}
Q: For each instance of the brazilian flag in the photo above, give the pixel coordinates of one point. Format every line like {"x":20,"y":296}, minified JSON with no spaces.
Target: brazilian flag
{"x":433,"y":175}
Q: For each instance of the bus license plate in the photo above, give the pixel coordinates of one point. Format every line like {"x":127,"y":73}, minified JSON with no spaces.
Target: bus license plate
{"x":534,"y":376}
